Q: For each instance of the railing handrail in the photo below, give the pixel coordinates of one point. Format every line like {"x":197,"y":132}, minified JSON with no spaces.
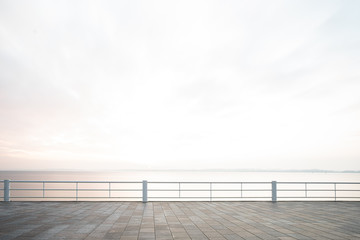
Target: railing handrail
{"x":207,"y":182}
{"x":53,"y":181}
{"x":217,"y":182}
{"x":319,"y":182}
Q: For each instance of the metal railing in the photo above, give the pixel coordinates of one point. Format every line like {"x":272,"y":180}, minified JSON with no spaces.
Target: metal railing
{"x":71,"y":190}
{"x":179,"y":191}
{"x":320,"y":190}
{"x":210,"y":191}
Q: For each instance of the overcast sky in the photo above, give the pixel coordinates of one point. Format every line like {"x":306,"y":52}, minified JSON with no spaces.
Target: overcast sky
{"x":179,"y":84}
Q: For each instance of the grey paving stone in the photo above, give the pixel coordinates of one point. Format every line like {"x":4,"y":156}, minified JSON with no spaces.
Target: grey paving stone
{"x":180,"y":220}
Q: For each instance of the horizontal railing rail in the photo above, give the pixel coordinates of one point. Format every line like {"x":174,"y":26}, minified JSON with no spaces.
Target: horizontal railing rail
{"x":192,"y":191}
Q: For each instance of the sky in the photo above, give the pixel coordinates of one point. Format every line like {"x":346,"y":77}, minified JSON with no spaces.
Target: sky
{"x":111,"y":85}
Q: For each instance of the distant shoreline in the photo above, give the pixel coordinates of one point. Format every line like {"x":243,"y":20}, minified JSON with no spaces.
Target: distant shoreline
{"x":191,"y":170}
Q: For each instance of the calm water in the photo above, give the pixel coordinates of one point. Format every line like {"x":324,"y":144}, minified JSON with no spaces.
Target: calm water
{"x":179,"y":176}
{"x":101,"y":192}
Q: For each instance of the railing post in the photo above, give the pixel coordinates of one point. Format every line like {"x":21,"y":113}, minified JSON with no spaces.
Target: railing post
{"x":6,"y":190}
{"x":77,"y":189}
{"x":273,"y":191}
{"x":144,"y":191}
{"x":241,"y":189}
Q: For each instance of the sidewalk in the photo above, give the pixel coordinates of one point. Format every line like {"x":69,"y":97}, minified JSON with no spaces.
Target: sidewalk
{"x":180,"y":220}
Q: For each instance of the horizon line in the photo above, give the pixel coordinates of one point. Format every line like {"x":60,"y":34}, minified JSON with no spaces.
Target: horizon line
{"x":185,"y":170}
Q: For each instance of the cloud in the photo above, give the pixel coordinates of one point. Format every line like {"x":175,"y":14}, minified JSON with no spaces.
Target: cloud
{"x":179,"y":84}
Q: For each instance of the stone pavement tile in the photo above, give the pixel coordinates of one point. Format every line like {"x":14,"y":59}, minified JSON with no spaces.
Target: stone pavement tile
{"x":13,"y":234}
{"x":23,"y":238}
{"x":162,"y":227}
{"x":182,"y":234}
{"x":232,"y":237}
{"x":212,"y":234}
{"x":75,"y":235}
{"x":132,"y":228}
{"x":147,"y":230}
{"x":249,"y":236}
{"x":163,"y":234}
{"x":197,"y":237}
{"x":146,"y":237}
{"x":225,"y":232}
{"x":113,"y":235}
{"x":284,"y":230}
{"x":163,"y":237}
{"x":299,"y":236}
{"x":95,"y":234}
{"x":88,"y":228}
{"x":130,"y":233}
{"x":33,"y":232}
{"x":128,"y":238}
{"x":51,"y":232}
{"x":177,"y":229}
{"x":147,"y":225}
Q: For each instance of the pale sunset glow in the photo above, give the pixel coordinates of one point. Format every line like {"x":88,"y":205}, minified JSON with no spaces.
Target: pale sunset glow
{"x":111,"y":85}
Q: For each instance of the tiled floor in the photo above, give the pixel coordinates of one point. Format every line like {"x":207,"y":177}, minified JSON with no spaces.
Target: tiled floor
{"x":180,"y":220}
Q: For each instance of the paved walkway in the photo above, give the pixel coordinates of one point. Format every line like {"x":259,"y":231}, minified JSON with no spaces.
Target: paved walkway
{"x":180,"y":220}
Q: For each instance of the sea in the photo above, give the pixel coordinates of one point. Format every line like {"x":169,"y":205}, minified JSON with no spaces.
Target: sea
{"x":171,"y":175}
